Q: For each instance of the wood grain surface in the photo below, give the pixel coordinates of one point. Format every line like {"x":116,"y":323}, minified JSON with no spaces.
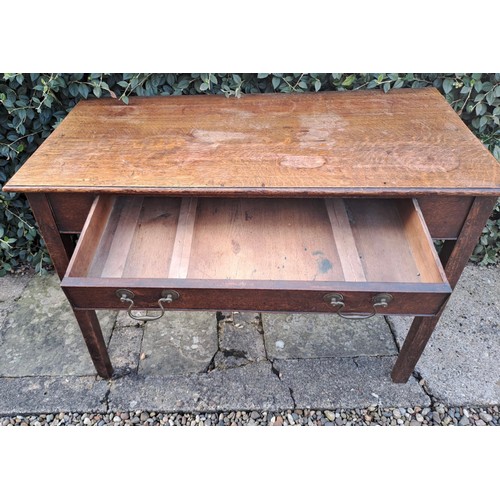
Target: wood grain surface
{"x":276,"y":239}
{"x":48,"y":229}
{"x":70,"y":210}
{"x":349,"y":257}
{"x":310,"y":144}
{"x":445,"y":215}
{"x":181,"y":252}
{"x":95,"y":226}
{"x":99,"y":293}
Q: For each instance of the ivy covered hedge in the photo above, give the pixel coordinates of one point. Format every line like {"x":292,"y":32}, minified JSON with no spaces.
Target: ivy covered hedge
{"x":31,"y":106}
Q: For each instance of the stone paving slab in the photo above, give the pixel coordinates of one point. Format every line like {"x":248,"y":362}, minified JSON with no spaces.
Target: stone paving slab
{"x":3,"y":315}
{"x":28,"y":395}
{"x":40,"y":335}
{"x":181,"y":342}
{"x":461,"y":363}
{"x":12,"y":286}
{"x":125,"y":349}
{"x":240,"y":340}
{"x":250,"y":387}
{"x":348,"y":383}
{"x":294,"y":336}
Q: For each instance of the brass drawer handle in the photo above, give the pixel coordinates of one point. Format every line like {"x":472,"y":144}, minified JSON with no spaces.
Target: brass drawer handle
{"x":337,"y":300}
{"x":126,"y":296}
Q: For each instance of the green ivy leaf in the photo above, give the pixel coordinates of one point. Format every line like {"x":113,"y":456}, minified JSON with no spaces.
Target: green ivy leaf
{"x":349,"y":81}
{"x":481,"y":109}
{"x":448,"y":85}
{"x":84,"y":90}
{"x":47,"y":98}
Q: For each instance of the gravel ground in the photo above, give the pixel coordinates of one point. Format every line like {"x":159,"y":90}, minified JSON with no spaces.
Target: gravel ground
{"x":373,"y":415}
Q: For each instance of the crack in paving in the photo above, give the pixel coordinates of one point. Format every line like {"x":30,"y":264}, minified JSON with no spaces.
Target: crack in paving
{"x":237,"y":353}
{"x":234,"y":353}
{"x":275,"y":370}
{"x":143,"y":328}
{"x":220,"y":318}
{"x":393,"y":333}
{"x":423,"y":384}
{"x":211,"y":365}
{"x":105,"y":399}
{"x":236,"y":356}
{"x":112,"y":332}
{"x":260,"y":328}
{"x":377,"y":356}
{"x":355,"y":358}
{"x":418,"y":377}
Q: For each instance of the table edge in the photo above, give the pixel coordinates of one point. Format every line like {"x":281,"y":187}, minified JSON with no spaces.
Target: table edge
{"x":306,"y":192}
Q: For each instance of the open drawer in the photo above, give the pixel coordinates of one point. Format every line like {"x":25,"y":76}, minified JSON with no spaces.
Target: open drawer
{"x":352,"y":256}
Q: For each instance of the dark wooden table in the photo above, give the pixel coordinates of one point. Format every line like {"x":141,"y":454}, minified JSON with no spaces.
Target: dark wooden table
{"x":322,"y":202}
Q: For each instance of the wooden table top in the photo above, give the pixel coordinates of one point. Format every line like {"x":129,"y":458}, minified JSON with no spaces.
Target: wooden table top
{"x":408,"y":141}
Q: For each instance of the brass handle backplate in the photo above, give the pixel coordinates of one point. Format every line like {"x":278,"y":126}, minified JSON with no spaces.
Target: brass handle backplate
{"x":337,"y":300}
{"x":127,"y":296}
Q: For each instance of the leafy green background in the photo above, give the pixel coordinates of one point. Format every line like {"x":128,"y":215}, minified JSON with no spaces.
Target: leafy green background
{"x":31,"y":106}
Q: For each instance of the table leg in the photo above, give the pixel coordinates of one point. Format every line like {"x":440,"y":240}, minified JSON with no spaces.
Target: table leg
{"x":91,"y":330}
{"x":60,"y":249}
{"x":420,"y":332}
{"x":454,"y":259}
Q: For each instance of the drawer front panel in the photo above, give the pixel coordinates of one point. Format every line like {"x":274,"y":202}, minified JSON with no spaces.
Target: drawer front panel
{"x":413,"y":303}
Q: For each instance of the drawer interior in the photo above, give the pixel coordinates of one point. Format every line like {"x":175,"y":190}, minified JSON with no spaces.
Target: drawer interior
{"x":323,"y":240}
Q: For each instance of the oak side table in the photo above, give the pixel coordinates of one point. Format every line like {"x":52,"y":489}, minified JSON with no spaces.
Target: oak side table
{"x":315,"y":202}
